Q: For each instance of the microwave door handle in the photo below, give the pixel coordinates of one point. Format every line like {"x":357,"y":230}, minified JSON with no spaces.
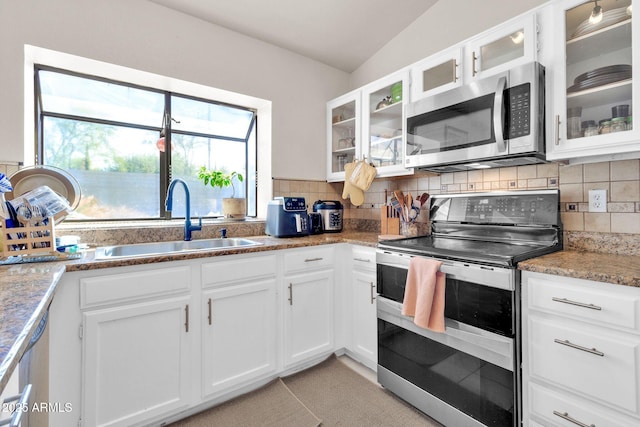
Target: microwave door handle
{"x":498,"y":104}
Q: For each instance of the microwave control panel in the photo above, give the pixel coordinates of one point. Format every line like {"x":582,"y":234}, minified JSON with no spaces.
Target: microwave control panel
{"x":518,"y":108}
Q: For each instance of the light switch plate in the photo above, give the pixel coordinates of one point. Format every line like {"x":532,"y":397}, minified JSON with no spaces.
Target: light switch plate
{"x":597,"y":200}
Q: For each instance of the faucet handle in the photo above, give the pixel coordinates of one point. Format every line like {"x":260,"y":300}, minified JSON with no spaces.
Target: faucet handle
{"x":199,"y":223}
{"x":223,"y":233}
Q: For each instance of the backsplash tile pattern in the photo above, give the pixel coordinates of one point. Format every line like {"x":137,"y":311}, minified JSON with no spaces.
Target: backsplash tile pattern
{"x":614,"y":231}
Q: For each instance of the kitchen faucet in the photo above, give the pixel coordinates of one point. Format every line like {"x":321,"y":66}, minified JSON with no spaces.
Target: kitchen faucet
{"x":188,"y":228}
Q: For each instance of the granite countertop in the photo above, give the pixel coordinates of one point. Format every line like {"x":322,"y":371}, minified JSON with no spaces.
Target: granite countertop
{"x":26,"y":290}
{"x":600,"y":267}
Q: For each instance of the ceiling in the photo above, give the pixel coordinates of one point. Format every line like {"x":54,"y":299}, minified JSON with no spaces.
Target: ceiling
{"x":339,"y":33}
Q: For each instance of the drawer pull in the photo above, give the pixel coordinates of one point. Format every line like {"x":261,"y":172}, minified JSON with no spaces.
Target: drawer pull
{"x":579,"y":304}
{"x":565,"y":416}
{"x":579,"y":347}
{"x":362,"y":259}
{"x":313,"y":259}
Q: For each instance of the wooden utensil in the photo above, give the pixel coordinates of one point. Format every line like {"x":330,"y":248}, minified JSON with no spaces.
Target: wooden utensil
{"x":400,"y":198}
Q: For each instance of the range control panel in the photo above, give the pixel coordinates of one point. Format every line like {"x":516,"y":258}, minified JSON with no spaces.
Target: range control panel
{"x":522,"y":208}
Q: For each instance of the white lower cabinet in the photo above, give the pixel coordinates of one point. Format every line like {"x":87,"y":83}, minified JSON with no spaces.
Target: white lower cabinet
{"x":308,"y":316}
{"x":581,"y":352}
{"x":239,"y":332}
{"x":136,"y":362}
{"x":364,"y":338}
{"x":139,"y":345}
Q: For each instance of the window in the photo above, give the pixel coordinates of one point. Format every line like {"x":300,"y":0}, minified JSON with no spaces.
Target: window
{"x":124,"y":143}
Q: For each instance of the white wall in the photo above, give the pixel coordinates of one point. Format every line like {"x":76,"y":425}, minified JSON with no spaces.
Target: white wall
{"x":148,"y":37}
{"x":445,"y":24}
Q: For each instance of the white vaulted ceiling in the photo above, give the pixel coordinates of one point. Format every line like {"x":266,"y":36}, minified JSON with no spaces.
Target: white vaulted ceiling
{"x":339,"y":33}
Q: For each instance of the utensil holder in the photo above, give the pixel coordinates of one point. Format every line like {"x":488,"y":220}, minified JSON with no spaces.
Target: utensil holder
{"x":27,"y":240}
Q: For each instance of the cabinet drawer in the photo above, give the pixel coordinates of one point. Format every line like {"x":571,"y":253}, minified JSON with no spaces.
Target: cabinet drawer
{"x":135,"y":285}
{"x":234,"y":270}
{"x":578,"y":357}
{"x":599,"y":303}
{"x":308,"y":259}
{"x":559,"y":409}
{"x":364,"y":258}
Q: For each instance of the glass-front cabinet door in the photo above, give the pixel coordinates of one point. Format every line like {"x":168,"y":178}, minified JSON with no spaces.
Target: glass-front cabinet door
{"x":343,"y":134}
{"x":383,"y":123}
{"x":510,"y":44}
{"x":593,"y":75}
{"x":437,"y":73}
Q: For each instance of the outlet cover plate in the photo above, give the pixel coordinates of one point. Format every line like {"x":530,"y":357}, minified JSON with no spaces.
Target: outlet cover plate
{"x":597,"y":200}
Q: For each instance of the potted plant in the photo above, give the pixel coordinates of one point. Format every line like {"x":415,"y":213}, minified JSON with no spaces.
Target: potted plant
{"x":233,"y":207}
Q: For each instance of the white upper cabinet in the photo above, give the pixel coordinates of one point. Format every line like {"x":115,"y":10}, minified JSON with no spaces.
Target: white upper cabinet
{"x":593,"y":68}
{"x":369,"y":123}
{"x":508,"y":45}
{"x":437,"y":73}
{"x":503,"y":47}
{"x":383,"y":123}
{"x":343,"y":133}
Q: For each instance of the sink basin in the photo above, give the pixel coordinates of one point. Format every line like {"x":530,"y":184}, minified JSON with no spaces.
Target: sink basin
{"x":158,"y":248}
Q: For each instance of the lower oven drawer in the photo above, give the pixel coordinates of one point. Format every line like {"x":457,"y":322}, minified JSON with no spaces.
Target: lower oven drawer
{"x":579,"y":358}
{"x":435,"y":363}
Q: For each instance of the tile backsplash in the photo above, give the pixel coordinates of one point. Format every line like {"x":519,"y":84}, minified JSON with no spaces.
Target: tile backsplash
{"x":615,"y":231}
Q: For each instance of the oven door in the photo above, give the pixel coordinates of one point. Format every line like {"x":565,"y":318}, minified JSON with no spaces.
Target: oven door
{"x":476,"y":295}
{"x":469,"y":375}
{"x":463,"y":377}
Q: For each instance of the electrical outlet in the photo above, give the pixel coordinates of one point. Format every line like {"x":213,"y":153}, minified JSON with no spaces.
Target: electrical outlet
{"x":597,"y":200}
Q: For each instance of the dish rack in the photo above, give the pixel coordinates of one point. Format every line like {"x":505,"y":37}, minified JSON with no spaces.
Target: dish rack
{"x":28,"y":240}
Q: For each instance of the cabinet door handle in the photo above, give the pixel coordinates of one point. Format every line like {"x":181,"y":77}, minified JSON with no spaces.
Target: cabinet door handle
{"x":455,"y":72}
{"x":186,"y":318}
{"x":565,"y":416}
{"x":579,"y":304}
{"x":290,"y":293}
{"x":557,"y":139}
{"x":578,"y":347}
{"x":313,"y":259}
{"x":209,"y":304}
{"x":371,"y":289}
{"x":473,"y":64}
{"x":362,"y":259}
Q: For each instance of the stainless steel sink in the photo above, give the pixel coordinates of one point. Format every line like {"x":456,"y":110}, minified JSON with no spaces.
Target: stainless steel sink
{"x":159,"y":248}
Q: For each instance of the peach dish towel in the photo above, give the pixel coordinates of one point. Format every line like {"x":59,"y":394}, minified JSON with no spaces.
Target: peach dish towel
{"x":424,"y":294}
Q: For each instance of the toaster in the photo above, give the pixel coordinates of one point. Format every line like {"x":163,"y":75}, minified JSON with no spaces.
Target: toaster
{"x":287,"y":217}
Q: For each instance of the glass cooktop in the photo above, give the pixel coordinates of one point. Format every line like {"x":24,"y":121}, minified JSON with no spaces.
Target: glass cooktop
{"x":496,"y":253}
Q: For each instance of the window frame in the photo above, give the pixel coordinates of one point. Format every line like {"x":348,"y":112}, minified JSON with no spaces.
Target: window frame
{"x":165,"y":175}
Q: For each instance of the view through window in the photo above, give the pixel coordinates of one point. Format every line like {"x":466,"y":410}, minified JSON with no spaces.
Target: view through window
{"x":120,"y":141}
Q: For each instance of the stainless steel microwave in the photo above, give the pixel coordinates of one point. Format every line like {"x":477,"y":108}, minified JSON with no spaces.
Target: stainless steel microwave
{"x":493,"y":122}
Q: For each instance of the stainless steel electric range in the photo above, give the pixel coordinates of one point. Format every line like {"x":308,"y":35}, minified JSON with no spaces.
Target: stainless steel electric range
{"x":470,"y":374}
